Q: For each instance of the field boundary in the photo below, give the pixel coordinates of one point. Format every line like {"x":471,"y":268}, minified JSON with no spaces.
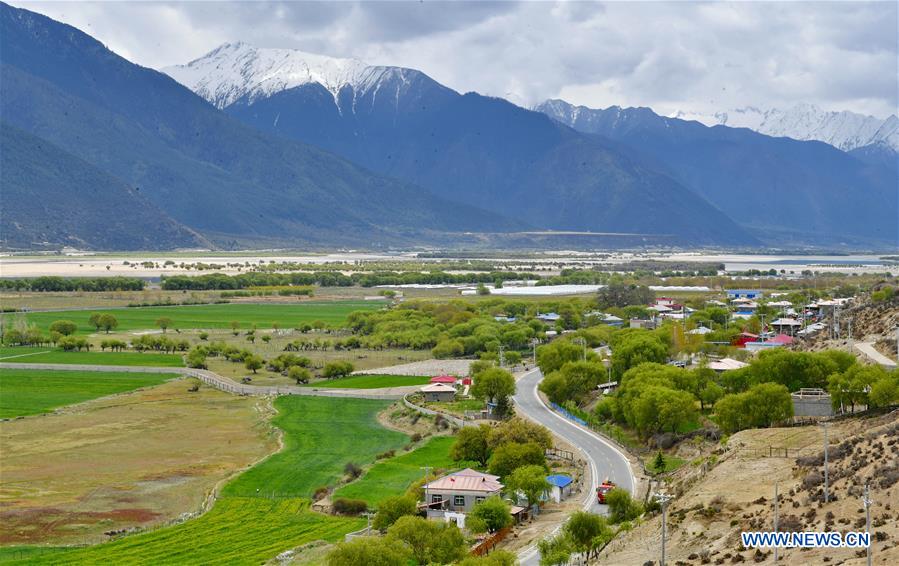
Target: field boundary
{"x":455,"y":420}
{"x":224,"y":384}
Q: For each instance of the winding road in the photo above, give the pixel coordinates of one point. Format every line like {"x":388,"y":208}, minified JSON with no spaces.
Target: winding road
{"x":605,"y":460}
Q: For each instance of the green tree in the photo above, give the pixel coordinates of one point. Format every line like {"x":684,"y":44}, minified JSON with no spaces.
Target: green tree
{"x":659,"y":462}
{"x":506,"y":458}
{"x":555,"y":551}
{"x":471,"y":444}
{"x":108,"y":322}
{"x":252,"y":362}
{"x":521,"y":431}
{"x":163,"y":323}
{"x":529,"y":480}
{"x":450,"y":348}
{"x":63,"y":327}
{"x":333,"y":370}
{"x":622,"y":506}
{"x":392,"y":508}
{"x":636,"y":349}
{"x":370,"y":551}
{"x":495,"y":513}
{"x":196,"y":358}
{"x":617,"y":294}
{"x":95,"y":320}
{"x":884,"y":392}
{"x":495,"y":558}
{"x":493,"y":384}
{"x":587,"y":532}
{"x":431,"y":542}
{"x":299,"y":374}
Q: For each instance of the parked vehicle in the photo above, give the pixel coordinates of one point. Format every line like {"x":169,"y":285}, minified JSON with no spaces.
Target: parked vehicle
{"x":604,"y":488}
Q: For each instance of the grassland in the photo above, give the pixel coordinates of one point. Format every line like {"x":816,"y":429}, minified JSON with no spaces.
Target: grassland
{"x":265,"y":510}
{"x":33,"y":391}
{"x":210,"y":316}
{"x":394,"y":475}
{"x":26,"y":355}
{"x":371,"y":382}
{"x":137,"y":459}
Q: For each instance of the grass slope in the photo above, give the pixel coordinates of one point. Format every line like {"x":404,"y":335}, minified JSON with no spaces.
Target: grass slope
{"x":210,"y":316}
{"x":394,"y":475}
{"x":26,"y":355}
{"x":32,"y":391}
{"x":371,"y":382}
{"x":247,"y":526}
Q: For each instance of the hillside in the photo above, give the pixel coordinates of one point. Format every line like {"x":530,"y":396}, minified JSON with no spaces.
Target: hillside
{"x":471,"y":148}
{"x":118,"y":216}
{"x":706,"y":519}
{"x":787,"y":192}
{"x":203,"y":168}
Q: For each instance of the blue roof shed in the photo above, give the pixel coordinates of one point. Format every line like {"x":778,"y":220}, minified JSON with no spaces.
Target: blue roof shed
{"x":559,"y":480}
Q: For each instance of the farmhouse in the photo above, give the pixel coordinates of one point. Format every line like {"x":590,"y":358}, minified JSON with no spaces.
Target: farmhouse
{"x":440,"y":392}
{"x":460,"y":492}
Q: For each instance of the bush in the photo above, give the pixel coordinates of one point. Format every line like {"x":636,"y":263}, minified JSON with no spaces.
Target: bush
{"x":334,"y":370}
{"x":392,"y":508}
{"x":343,"y":506}
{"x":352,"y":470}
{"x":622,"y":507}
{"x":494,"y":512}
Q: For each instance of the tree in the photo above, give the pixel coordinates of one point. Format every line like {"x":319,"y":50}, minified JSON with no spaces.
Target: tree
{"x":494,"y":512}
{"x":299,"y":374}
{"x":471,"y":444}
{"x":617,"y":294}
{"x":108,"y":322}
{"x":710,"y":394}
{"x":333,"y":370}
{"x":554,"y":355}
{"x":761,"y":406}
{"x":529,"y":480}
{"x":556,"y":550}
{"x":506,"y":458}
{"x":884,"y":392}
{"x":587,"y":532}
{"x":431,"y":542}
{"x":63,"y":327}
{"x":659,"y":462}
{"x":493,"y":384}
{"x":163,"y":323}
{"x":196,"y":358}
{"x":448,"y":349}
{"x":636,"y":349}
{"x":234,"y":327}
{"x":371,"y":551}
{"x":621,"y":506}
{"x":95,"y":320}
{"x":391,"y":509}
{"x":519,"y":430}
{"x":252,"y":362}
{"x":482,"y":289}
{"x":573,"y":381}
{"x":204,"y":336}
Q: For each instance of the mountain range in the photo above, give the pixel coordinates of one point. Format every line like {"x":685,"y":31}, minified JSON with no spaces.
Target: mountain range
{"x":250,"y":146}
{"x":844,"y":130}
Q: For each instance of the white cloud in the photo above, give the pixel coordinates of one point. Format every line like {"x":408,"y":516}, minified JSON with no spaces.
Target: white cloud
{"x":666,"y":55}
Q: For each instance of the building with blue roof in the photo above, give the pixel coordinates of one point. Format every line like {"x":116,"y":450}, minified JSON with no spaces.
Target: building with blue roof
{"x":744,"y":294}
{"x":560,"y":487}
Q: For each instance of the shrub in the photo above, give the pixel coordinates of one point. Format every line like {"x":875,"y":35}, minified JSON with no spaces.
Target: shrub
{"x":352,"y":470}
{"x":343,"y":506}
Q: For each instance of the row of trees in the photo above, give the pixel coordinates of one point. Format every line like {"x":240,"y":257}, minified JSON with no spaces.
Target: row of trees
{"x":49,"y":284}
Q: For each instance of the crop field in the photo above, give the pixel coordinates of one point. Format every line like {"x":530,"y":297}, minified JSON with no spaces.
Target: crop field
{"x":28,"y":355}
{"x":265,"y":510}
{"x":136,"y":459}
{"x":211,"y":316}
{"x":33,"y":391}
{"x":370,"y":382}
{"x":394,"y":475}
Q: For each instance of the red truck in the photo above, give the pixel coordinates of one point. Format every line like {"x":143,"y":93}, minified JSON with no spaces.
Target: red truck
{"x":603,"y":489}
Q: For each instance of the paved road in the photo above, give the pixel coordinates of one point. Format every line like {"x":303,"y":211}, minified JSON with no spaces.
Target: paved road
{"x":867,"y":348}
{"x":605,"y":460}
{"x":215,"y":380}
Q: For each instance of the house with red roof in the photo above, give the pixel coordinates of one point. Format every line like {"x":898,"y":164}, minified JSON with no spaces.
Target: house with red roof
{"x":461,"y":491}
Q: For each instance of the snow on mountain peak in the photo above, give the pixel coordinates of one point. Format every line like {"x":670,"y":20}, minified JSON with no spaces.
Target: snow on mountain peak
{"x":234,"y":70}
{"x":804,"y":121}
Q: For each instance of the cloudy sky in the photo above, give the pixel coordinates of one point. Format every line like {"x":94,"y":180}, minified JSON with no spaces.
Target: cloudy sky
{"x":693,"y":56}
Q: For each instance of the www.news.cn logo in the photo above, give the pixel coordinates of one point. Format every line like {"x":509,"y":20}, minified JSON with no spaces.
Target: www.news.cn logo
{"x":769,"y":539}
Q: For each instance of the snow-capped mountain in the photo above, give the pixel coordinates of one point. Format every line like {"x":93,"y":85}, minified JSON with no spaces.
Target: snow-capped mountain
{"x":844,"y":130}
{"x":242,"y":72}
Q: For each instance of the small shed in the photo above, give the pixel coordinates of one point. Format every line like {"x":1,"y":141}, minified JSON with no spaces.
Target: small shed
{"x":440,"y":392}
{"x":560,"y":487}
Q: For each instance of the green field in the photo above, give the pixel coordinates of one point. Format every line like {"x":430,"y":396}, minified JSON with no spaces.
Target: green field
{"x":211,"y":316}
{"x":265,"y":510}
{"x":370,"y":382}
{"x":26,"y":355}
{"x":33,"y":391}
{"x":394,"y":475}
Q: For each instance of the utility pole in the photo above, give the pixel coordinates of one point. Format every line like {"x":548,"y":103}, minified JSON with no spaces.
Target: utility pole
{"x":867,"y":501}
{"x":427,"y":470}
{"x":775,"y":519}
{"x":534,"y":343}
{"x":826,"y":478}
{"x":663,"y":501}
